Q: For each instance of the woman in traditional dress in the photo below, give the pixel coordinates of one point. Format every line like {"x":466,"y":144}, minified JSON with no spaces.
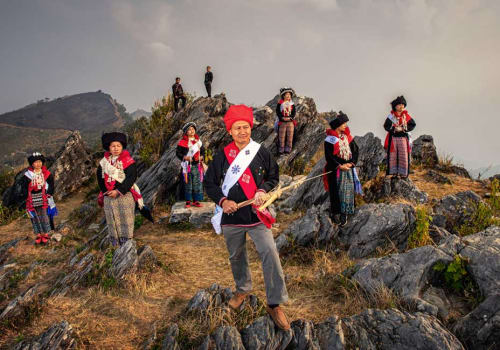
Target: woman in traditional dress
{"x":38,"y":185}
{"x":190,"y":151}
{"x":341,"y":153}
{"x":285,"y":110}
{"x":398,"y":125}
{"x":116,"y":177}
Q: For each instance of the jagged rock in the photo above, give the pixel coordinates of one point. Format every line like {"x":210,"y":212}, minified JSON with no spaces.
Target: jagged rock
{"x":424,"y":151}
{"x":393,"y":329}
{"x":377,"y":225}
{"x":4,"y":249}
{"x":56,"y":237}
{"x":146,"y":258}
{"x":73,"y":279}
{"x":224,"y":338}
{"x":17,"y":306}
{"x":58,"y":337}
{"x":315,"y":227}
{"x":170,"y":340}
{"x":207,"y":113}
{"x":263,"y":334}
{"x":310,"y":192}
{"x":125,"y":260}
{"x":326,"y":335}
{"x":303,"y":336}
{"x":395,"y":187}
{"x":410,"y":274}
{"x":198,"y":217}
{"x":453,"y":169}
{"x":5,"y":272}
{"x":149,"y":343}
{"x":437,"y":297}
{"x":438,"y":234}
{"x":73,"y":166}
{"x":480,"y":329}
{"x":214,"y":296}
{"x":434,"y":176}
{"x":85,"y":213}
{"x":371,"y":155}
{"x":453,"y":210}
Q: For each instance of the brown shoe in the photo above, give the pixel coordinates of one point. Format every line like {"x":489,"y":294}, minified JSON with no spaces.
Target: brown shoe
{"x":279,"y":317}
{"x":237,"y":299}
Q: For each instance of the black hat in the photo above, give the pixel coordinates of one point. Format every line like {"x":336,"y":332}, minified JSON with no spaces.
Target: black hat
{"x":111,"y":137}
{"x":286,"y":89}
{"x":339,"y":120}
{"x":186,"y":126}
{"x":34,"y":157}
{"x":398,"y":101}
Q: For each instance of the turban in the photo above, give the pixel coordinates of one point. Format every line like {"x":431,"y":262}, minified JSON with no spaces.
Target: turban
{"x":236,"y":113}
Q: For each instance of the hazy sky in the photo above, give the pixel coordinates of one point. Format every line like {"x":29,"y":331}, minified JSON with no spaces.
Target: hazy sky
{"x":354,"y":55}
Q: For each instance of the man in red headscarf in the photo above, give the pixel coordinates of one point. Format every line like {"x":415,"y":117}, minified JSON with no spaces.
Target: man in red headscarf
{"x":242,"y":171}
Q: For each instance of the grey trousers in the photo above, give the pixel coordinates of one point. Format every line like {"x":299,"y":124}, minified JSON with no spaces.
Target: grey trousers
{"x":273,"y":273}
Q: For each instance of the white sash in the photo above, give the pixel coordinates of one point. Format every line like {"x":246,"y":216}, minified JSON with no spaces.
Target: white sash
{"x":395,"y":121}
{"x":332,"y":139}
{"x":233,"y":174}
{"x":116,"y":174}
{"x":30,"y":174}
{"x":193,"y":149}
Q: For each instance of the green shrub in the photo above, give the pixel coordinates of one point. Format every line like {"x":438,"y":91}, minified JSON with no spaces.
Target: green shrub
{"x":420,"y":236}
{"x":138,"y":221}
{"x":480,"y":218}
{"x":494,"y":199}
{"x":7,"y":215}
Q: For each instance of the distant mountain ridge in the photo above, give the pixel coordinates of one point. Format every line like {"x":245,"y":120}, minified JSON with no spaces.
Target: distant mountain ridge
{"x":43,"y":126}
{"x":138,"y":113}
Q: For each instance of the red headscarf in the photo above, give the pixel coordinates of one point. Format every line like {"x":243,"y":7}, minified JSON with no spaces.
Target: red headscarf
{"x":236,"y":113}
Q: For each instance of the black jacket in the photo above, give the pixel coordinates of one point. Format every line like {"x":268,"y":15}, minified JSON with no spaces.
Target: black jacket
{"x":388,"y":126}
{"x":332,"y":163}
{"x":281,"y":116}
{"x":209,"y":77}
{"x":181,"y":152}
{"x":265,"y":172}
{"x":124,"y":187}
{"x":177,"y":90}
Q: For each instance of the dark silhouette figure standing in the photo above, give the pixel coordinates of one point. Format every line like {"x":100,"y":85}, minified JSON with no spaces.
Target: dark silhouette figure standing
{"x":178,"y":93}
{"x":208,"y":81}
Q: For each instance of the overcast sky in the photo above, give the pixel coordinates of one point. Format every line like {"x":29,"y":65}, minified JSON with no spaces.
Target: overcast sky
{"x":353,"y":55}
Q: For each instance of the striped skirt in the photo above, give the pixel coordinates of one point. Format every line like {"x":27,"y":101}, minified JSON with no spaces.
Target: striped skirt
{"x":398,"y":158}
{"x":345,"y":185}
{"x":39,"y":218}
{"x":120,"y":215}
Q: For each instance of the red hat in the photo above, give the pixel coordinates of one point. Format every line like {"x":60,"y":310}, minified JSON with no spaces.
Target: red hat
{"x":236,"y":113}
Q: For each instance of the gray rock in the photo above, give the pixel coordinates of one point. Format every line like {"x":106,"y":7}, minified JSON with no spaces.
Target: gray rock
{"x":58,"y":337}
{"x":434,"y":176}
{"x":453,"y":169}
{"x":149,"y":343}
{"x":393,"y":329}
{"x":170,"y":339}
{"x":224,"y":338}
{"x":424,"y":151}
{"x":4,"y":249}
{"x":86,"y":213}
{"x":371,"y":155}
{"x":437,"y":297}
{"x":377,"y":225}
{"x":304,"y":337}
{"x":198,"y":217}
{"x":453,"y":210}
{"x":215,"y":296}
{"x":73,"y":166}
{"x":438,"y":234}
{"x":17,"y":306}
{"x":6,"y":271}
{"x":330,"y":334}
{"x":263,"y":334}
{"x":394,"y":187}
{"x":282,"y":243}
{"x":146,"y":258}
{"x":480,"y":329}
{"x":125,"y":260}
{"x":56,"y":237}
{"x":76,"y":277}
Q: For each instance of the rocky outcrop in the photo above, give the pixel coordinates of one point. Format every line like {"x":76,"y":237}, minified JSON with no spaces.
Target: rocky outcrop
{"x":410,"y":274}
{"x":224,"y":338}
{"x":394,"y":329}
{"x":73,"y":166}
{"x":58,"y":337}
{"x":434,"y":176}
{"x":453,"y":210}
{"x":263,"y":334}
{"x":170,"y":340}
{"x":377,"y":226}
{"x":208,"y":114}
{"x":17,"y":306}
{"x":480,"y":329}
{"x":198,"y":217}
{"x":4,"y":249}
{"x":371,"y":155}
{"x":392,"y":187}
{"x":77,"y":275}
{"x":125,"y":260}
{"x":424,"y":151}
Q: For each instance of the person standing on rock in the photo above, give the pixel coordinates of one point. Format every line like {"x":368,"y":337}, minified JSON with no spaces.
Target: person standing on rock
{"x":116,"y":175}
{"x":342,"y":183}
{"x":190,"y":151}
{"x":178,"y":94}
{"x":242,"y":171}
{"x":398,"y":125}
{"x":209,"y":77}
{"x":285,"y":110}
{"x":38,"y":187}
